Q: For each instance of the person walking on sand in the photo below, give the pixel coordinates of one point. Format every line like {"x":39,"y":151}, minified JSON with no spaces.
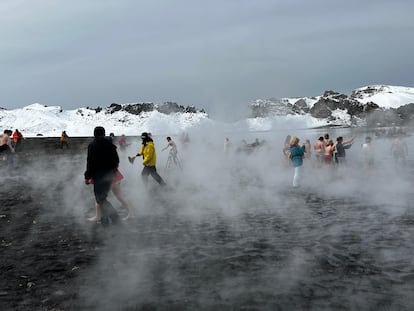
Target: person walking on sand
{"x":17,"y":139}
{"x":102,"y":162}
{"x":172,"y":156}
{"x":149,"y":159}
{"x":122,"y":142}
{"x":6,"y":149}
{"x":117,"y":191}
{"x":64,"y":140}
{"x":296,"y":157}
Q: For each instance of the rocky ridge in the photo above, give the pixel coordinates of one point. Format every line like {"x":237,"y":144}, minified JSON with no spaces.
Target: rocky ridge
{"x":137,"y":108}
{"x":328,"y":105}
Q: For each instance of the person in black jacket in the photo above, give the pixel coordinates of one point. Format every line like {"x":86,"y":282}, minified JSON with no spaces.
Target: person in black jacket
{"x":101,"y":166}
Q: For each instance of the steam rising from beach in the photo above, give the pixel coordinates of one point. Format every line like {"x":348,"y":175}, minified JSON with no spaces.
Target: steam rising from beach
{"x":230,"y":209}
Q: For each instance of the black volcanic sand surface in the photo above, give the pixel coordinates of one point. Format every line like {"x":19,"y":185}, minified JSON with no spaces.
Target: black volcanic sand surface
{"x":321,"y":253}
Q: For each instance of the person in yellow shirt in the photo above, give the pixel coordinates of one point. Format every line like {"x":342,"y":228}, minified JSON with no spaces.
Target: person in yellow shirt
{"x":149,"y":159}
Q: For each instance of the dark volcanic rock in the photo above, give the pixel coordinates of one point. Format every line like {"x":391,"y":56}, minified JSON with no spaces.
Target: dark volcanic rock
{"x":300,"y":106}
{"x":406,"y":112}
{"x":139,"y":107}
{"x":170,"y":107}
{"x":136,"y":109}
{"x":330,"y":101}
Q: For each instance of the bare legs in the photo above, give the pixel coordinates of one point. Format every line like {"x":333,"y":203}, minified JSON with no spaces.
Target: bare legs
{"x":116,"y":190}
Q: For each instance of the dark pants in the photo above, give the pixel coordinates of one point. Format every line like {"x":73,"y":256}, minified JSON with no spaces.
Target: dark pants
{"x":151,"y":170}
{"x":5,"y":150}
{"x":64,"y":143}
{"x":18,"y":146}
{"x":102,"y":186}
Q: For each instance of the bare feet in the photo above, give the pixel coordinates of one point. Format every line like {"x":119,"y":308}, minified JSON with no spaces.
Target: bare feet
{"x":94,"y":218}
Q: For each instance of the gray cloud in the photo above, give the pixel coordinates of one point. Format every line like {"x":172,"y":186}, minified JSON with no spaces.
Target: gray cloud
{"x":219,"y":55}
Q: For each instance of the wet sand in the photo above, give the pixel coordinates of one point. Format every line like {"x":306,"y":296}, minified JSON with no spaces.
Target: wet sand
{"x":303,"y":251}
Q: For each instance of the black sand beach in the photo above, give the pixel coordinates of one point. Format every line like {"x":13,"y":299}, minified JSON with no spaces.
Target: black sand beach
{"x":300,"y":250}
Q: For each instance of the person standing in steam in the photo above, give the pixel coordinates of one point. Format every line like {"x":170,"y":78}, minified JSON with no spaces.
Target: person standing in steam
{"x":399,"y":149}
{"x":149,"y":159}
{"x":6,"y":149}
{"x":296,"y":156}
{"x":17,"y":139}
{"x":368,"y":154}
{"x":102,"y":162}
{"x":64,"y":140}
{"x":340,"y":148}
{"x":319,"y":148}
{"x":172,"y":156}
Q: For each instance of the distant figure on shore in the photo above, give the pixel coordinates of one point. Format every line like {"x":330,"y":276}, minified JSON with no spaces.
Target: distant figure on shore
{"x":319,"y":148}
{"x":17,"y":139}
{"x":296,"y":156}
{"x":149,"y":159}
{"x":340,"y":148}
{"x":172,"y":156}
{"x":399,"y":149}
{"x":326,"y":139}
{"x":329,"y":151}
{"x":368,"y":154}
{"x":64,"y":140}
{"x":122,"y":142}
{"x":184,"y":139}
{"x":112,"y":138}
{"x":227,"y":145}
{"x":101,"y":166}
{"x":6,"y":148}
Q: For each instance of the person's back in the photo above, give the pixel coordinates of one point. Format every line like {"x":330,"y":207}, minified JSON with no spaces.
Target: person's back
{"x":340,"y":148}
{"x":329,"y":150}
{"x":296,"y":154}
{"x":101,"y":164}
{"x":5,"y":142}
{"x":102,"y":156}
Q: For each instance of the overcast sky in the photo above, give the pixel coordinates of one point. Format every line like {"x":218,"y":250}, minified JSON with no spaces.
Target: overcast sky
{"x":216,"y":54}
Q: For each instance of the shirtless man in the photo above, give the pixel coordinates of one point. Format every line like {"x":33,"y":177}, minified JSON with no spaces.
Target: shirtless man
{"x":6,"y":148}
{"x":173,"y":151}
{"x":5,"y":142}
{"x":319,"y":148}
{"x":326,"y":139}
{"x":329,"y":151}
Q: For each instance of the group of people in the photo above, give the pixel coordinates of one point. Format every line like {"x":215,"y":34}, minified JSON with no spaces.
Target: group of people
{"x":10,"y":143}
{"x":325,"y":150}
{"x":102,"y":171}
{"x":329,"y":153}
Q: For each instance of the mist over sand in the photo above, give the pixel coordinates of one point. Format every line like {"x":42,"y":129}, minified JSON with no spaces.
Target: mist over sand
{"x":229,"y":232}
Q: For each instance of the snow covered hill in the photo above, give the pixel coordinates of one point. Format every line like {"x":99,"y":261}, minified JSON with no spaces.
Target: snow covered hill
{"x":50,"y":121}
{"x":376,"y":104}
